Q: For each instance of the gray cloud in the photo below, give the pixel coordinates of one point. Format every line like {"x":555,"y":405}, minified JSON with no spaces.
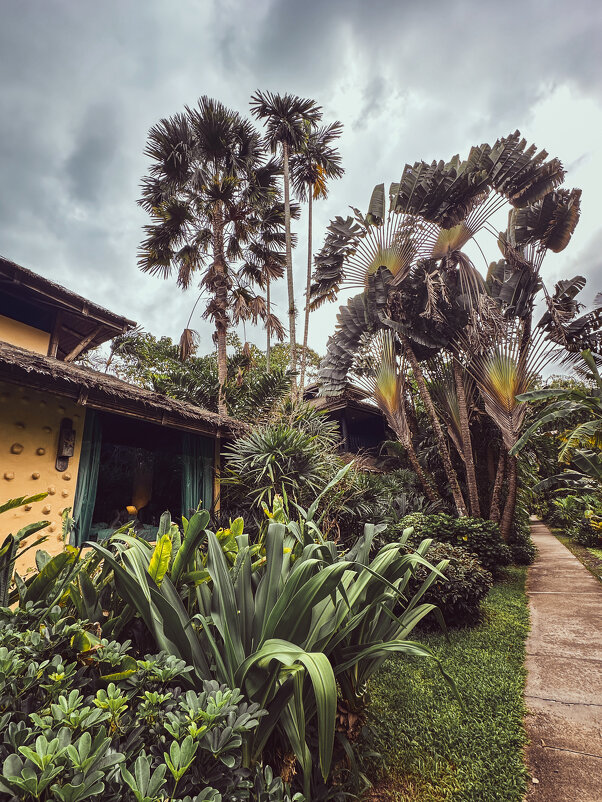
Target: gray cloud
{"x":82,"y":83}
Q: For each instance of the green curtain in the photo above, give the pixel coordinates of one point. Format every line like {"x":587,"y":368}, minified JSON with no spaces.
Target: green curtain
{"x":197,"y":473}
{"x":87,"y":476}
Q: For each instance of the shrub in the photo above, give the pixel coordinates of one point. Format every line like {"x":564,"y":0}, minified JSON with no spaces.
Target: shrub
{"x":586,"y":532}
{"x":521,"y":544}
{"x":479,"y":537}
{"x":297,"y":608}
{"x":80,"y":718}
{"x":292,"y":457}
{"x":466,"y":584}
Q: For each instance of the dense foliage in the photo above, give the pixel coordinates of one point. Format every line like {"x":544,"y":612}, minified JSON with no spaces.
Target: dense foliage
{"x":296,"y":622}
{"x":466,"y":584}
{"x":76,"y":726}
{"x":477,"y":536}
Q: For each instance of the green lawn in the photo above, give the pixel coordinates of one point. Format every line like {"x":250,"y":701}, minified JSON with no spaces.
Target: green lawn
{"x":434,"y":751}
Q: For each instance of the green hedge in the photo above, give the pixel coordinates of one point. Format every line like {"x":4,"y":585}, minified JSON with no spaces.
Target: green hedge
{"x":467,"y":583}
{"x":479,"y":537}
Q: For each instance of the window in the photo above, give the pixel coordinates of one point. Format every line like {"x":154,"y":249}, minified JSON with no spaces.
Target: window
{"x":132,"y":471}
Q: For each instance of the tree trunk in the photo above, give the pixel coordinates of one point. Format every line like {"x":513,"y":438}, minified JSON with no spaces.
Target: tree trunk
{"x":307,"y":291}
{"x":221,"y":302}
{"x":268,"y":347}
{"x":404,"y":435}
{"x":496,"y":496}
{"x":450,"y":473}
{"x":427,"y":483}
{"x":509,"y":507}
{"x":467,"y":452}
{"x":292,"y":312}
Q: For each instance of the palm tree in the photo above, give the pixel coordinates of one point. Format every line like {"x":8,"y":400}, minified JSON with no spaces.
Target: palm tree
{"x":208,"y":174}
{"x":413,"y":274}
{"x":311,"y":168}
{"x":265,"y":261}
{"x":285,"y":119}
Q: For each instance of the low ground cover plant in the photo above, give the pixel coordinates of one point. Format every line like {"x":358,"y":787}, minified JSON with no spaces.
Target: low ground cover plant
{"x":81,"y":718}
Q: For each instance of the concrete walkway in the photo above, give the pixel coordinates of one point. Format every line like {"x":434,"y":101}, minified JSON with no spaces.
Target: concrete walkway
{"x":564,"y":683}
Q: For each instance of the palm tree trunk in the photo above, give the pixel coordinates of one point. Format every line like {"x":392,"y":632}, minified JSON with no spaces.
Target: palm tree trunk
{"x":268,"y":347}
{"x":496,"y":496}
{"x":221,"y":303}
{"x":426,"y":481}
{"x":289,"y":266}
{"x":450,"y":473}
{"x":508,"y":514}
{"x":467,"y":452}
{"x":307,"y":291}
{"x":404,"y":435}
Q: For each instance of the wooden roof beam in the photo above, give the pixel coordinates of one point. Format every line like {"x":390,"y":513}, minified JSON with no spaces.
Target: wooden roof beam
{"x":83,"y":344}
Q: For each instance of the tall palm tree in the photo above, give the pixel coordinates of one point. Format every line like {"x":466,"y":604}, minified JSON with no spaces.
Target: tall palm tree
{"x":316,"y":163}
{"x":285,"y":119}
{"x":265,"y":261}
{"x":208,"y":174}
{"x":413,"y":274}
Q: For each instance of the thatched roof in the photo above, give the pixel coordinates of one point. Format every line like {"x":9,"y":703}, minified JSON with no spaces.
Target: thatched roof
{"x":351,"y":396}
{"x":76,"y":319}
{"x":105,"y":392}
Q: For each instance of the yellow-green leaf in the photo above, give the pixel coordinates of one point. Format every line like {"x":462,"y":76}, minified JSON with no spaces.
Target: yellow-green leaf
{"x":159,"y":562}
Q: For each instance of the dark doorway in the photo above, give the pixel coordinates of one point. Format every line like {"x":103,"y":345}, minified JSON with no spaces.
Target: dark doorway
{"x":139,"y":476}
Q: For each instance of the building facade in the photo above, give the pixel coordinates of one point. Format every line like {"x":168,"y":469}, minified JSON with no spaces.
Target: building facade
{"x":106,"y":452}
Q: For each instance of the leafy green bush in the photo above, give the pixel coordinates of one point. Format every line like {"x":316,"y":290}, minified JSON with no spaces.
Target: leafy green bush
{"x":580,"y":515}
{"x":466,"y":584}
{"x":521,"y":544}
{"x":76,"y":724}
{"x":476,"y":535}
{"x":587,"y":532}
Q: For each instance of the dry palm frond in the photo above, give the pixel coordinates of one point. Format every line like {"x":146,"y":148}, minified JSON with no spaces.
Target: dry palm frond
{"x":189,"y":342}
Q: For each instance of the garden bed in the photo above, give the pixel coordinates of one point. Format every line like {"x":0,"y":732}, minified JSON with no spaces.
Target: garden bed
{"x":435,"y":752}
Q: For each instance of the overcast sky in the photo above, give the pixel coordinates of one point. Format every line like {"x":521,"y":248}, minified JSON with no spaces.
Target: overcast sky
{"x":82,"y":81}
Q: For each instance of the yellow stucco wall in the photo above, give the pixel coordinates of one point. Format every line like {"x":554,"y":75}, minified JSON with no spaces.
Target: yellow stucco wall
{"x":29,"y":431}
{"x":17,"y":333}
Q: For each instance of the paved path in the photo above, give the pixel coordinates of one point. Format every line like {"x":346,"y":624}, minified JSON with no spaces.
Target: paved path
{"x":564,"y":683}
